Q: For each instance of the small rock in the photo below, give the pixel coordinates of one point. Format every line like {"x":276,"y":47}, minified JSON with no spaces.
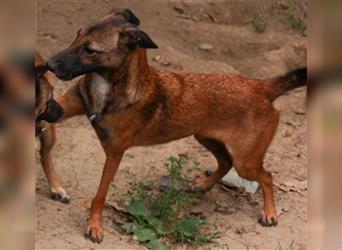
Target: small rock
{"x":300,"y":113}
{"x":195,"y":19}
{"x":252,"y":200}
{"x":178,"y":9}
{"x":223,"y":208}
{"x":301,"y":177}
{"x":284,"y":5}
{"x":281,"y":5}
{"x":130,"y":155}
{"x":240,"y":230}
{"x":200,"y":174}
{"x":305,"y":33}
{"x":284,"y":210}
{"x":116,"y":206}
{"x":147,"y":184}
{"x":197,"y":210}
{"x":84,"y":203}
{"x":205,"y":46}
{"x":162,"y":61}
{"x":286,"y":133}
{"x":166,"y":183}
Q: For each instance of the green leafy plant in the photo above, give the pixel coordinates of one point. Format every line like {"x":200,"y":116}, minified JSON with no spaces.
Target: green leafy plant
{"x":174,"y":167}
{"x":259,"y":24}
{"x":296,"y":22}
{"x":155,"y":216}
{"x":293,"y":18}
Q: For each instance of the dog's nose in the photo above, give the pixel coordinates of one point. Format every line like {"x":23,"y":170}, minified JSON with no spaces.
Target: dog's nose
{"x":53,"y":64}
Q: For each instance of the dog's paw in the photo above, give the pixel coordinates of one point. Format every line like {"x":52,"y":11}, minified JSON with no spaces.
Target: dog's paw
{"x":94,"y":233}
{"x":201,"y":187}
{"x":60,"y":195}
{"x":268,"y":220}
{"x":202,"y":183}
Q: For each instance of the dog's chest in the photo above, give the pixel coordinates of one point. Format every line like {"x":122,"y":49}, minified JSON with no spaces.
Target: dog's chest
{"x":98,"y":92}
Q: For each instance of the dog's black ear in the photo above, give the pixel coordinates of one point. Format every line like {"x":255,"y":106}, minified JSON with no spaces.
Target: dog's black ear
{"x":144,"y":41}
{"x":127,"y":14}
{"x":130,"y":17}
{"x":139,"y":38}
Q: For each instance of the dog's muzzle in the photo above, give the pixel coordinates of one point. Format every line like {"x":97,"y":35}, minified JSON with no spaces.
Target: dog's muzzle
{"x":53,"y":113}
{"x":60,"y":68}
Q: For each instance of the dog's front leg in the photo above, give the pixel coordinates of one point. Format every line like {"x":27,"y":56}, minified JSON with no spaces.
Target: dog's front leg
{"x":94,"y":230}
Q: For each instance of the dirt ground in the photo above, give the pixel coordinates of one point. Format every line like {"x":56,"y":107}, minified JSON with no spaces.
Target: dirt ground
{"x":178,"y":28}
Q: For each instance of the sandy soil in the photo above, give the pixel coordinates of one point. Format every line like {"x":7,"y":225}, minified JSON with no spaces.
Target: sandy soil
{"x":178,"y":31}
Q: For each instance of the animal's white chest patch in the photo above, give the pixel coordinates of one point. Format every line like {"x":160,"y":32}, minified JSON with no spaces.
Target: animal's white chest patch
{"x":99,"y":89}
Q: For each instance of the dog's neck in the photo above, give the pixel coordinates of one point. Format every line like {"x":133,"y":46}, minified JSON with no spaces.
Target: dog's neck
{"x":130,"y":71}
{"x":124,"y":86}
{"x":129,"y":77}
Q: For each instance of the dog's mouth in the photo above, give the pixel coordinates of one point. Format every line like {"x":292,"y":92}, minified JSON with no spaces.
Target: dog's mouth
{"x":65,"y":77}
{"x":62,"y":74}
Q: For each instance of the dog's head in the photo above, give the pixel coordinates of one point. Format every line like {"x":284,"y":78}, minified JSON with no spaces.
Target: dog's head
{"x":46,"y":108}
{"x":104,"y":45}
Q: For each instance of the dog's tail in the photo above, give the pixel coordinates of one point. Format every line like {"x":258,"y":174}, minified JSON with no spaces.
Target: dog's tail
{"x":278,"y":86}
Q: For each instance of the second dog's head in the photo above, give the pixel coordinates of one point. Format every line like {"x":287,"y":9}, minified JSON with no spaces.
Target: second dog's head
{"x":104,"y":45}
{"x":46,"y":108}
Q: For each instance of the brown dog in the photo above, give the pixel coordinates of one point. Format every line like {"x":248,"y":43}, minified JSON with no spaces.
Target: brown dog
{"x":131,"y":104}
{"x":47,"y":111}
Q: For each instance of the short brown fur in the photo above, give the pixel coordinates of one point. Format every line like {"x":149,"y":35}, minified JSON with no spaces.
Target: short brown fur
{"x":230,"y":115}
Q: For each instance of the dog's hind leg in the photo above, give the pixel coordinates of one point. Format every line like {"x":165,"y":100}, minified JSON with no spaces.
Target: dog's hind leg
{"x":248,"y":153}
{"x":48,"y":140}
{"x":224,"y":161}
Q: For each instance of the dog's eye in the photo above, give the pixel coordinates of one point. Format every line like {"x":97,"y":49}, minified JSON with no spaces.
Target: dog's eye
{"x":90,"y":51}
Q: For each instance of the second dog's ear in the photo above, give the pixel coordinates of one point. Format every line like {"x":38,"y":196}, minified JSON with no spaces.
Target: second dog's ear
{"x":127,"y":14}
{"x":135,"y":38}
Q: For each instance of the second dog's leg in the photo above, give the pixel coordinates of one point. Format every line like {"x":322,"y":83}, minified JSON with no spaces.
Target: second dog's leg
{"x":94,"y":230}
{"x":72,"y":105}
{"x":48,"y":140}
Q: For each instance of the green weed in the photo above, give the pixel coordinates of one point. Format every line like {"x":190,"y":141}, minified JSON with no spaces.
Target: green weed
{"x":296,"y":22}
{"x":158,"y":218}
{"x":293,"y":18}
{"x":259,"y":23}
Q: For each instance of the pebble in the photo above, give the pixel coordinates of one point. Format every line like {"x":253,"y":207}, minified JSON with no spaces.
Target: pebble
{"x":147,"y":184}
{"x":166,"y":183}
{"x":205,"y":46}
